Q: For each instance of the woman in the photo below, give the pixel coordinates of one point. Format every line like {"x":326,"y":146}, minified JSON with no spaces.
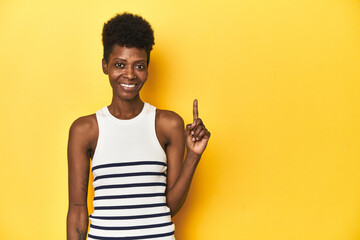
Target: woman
{"x":137,"y":151}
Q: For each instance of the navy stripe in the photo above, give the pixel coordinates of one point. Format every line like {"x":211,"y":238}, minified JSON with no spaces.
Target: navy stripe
{"x":130,"y":217}
{"x":130,"y":206}
{"x":131,"y":175}
{"x":132,"y":227}
{"x":133,"y":238}
{"x":130,"y":196}
{"x":131,"y":185}
{"x":122,"y":164}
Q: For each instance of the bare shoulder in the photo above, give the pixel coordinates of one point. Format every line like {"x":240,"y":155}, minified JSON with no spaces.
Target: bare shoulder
{"x":169,"y":126}
{"x":85,"y":129}
{"x":169,"y":119}
{"x":84,"y":124}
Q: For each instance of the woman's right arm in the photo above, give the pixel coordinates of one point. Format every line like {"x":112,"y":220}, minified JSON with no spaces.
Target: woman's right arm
{"x":81,"y":138}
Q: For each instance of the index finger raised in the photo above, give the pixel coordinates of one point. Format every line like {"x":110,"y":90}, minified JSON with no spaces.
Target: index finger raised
{"x":195,"y":110}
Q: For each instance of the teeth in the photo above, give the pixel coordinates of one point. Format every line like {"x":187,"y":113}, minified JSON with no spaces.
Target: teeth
{"x":126,"y":85}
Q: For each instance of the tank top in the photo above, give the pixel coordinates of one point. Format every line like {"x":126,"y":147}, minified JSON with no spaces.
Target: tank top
{"x":129,"y":167}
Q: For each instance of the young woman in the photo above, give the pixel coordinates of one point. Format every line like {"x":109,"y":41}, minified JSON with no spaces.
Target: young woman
{"x":141,"y":178}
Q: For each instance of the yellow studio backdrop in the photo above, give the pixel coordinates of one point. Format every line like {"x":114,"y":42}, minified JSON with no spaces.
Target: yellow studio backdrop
{"x":278,"y":87}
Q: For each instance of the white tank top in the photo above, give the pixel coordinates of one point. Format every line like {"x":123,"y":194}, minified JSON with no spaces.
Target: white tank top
{"x":129,"y":167}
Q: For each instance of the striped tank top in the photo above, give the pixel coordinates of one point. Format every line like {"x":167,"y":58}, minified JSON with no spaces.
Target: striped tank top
{"x":129,"y":167}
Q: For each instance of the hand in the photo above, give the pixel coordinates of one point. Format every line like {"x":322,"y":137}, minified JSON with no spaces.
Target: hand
{"x":196,"y":134}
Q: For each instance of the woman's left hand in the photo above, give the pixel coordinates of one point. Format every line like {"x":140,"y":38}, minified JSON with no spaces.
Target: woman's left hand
{"x":196,"y":134}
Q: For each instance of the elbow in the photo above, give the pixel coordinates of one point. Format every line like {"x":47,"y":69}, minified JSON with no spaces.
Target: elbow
{"x":173,"y":211}
{"x":77,"y":216}
{"x":77,"y":223}
{"x":174,"y":207}
{"x":174,"y":201}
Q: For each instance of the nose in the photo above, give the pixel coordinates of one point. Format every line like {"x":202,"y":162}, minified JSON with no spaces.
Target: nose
{"x":129,"y":72}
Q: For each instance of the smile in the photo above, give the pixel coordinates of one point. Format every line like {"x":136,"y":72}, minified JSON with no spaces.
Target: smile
{"x":128,"y":85}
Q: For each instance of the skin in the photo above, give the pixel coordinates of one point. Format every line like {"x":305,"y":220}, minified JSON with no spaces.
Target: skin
{"x":128,"y":66}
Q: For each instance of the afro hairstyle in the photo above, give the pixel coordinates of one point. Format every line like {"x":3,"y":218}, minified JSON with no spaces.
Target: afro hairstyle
{"x":127,"y":30}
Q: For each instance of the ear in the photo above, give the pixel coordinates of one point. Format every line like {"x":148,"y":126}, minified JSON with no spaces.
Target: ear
{"x":104,"y":66}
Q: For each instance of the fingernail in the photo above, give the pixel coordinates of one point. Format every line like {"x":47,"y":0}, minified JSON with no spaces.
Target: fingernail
{"x":193,"y":139}
{"x":192,"y":132}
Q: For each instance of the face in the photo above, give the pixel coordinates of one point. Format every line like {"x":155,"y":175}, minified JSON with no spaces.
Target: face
{"x":127,"y":70}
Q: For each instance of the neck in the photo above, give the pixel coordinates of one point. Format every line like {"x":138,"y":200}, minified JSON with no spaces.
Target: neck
{"x":126,"y":109}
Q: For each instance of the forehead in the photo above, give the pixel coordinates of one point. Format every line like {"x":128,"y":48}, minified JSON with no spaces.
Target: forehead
{"x":126,"y":53}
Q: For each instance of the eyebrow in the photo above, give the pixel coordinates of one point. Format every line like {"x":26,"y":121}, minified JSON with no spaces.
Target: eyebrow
{"x":141,"y":60}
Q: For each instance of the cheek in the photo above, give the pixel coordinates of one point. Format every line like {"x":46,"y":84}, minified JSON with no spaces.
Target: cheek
{"x":114,"y":74}
{"x":143,"y":76}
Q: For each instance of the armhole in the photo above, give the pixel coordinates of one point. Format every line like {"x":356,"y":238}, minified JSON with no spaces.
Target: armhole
{"x":154,"y":135}
{"x":98,"y":142}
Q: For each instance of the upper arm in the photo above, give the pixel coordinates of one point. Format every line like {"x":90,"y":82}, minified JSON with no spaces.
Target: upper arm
{"x":171,"y":127}
{"x":82,"y":134}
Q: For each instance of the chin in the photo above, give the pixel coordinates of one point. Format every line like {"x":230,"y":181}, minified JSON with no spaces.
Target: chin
{"x":128,"y":96}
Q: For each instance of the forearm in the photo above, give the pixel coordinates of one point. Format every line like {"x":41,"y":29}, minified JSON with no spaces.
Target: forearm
{"x":77,"y":224}
{"x":177,"y":194}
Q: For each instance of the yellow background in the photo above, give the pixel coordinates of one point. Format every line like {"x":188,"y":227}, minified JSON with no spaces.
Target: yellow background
{"x":278,"y":84}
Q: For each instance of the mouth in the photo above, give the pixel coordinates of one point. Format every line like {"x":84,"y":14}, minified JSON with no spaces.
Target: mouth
{"x":128,"y":87}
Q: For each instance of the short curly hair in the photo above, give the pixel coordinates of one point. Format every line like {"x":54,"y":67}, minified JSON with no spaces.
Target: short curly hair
{"x":127,"y":30}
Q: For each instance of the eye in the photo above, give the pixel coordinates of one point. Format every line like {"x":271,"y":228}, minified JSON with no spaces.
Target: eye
{"x":120,"y":65}
{"x":140,"y":66}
